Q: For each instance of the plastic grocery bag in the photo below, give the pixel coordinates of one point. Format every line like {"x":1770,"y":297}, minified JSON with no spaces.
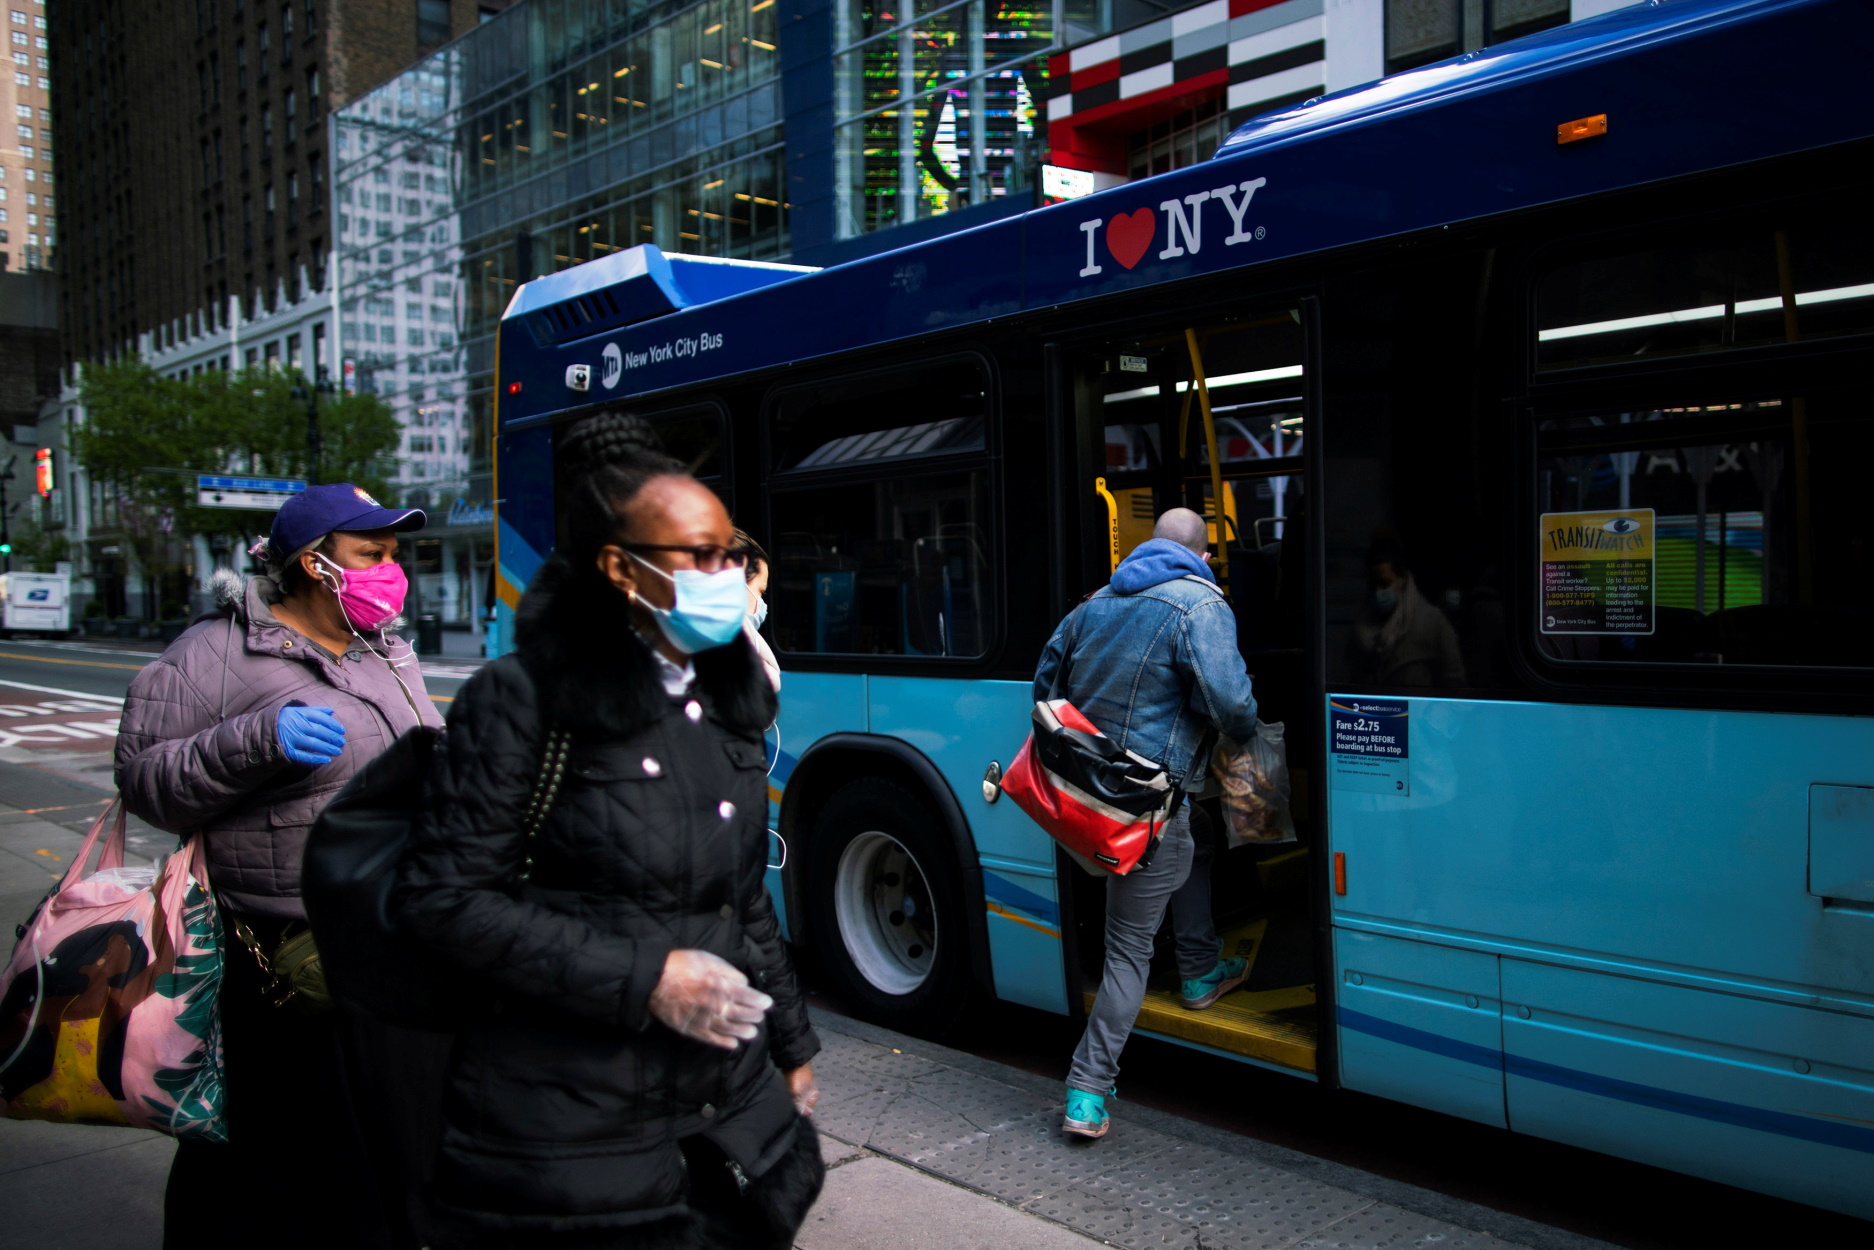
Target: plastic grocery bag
{"x":110,"y":1005}
{"x":1255,"y":787}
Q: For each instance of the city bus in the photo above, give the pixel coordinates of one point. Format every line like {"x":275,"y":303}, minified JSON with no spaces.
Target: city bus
{"x":1527,"y":396}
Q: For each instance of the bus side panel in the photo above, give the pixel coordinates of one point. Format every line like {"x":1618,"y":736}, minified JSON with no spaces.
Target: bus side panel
{"x":813,"y":705}
{"x":525,"y":530}
{"x":960,"y":726}
{"x":1420,"y":1023}
{"x":1668,"y":845}
{"x":1627,"y":1067}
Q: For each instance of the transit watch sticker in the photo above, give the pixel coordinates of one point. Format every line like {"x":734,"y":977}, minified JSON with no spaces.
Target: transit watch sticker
{"x":1598,"y":572}
{"x":1370,"y":746}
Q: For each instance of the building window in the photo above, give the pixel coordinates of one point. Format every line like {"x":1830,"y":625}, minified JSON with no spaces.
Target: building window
{"x":312,"y":92}
{"x":266,"y":131}
{"x":267,"y":223}
{"x":292,"y":199}
{"x":286,"y":30}
{"x":1419,"y":32}
{"x":316,"y":175}
{"x":292,"y":116}
{"x":1181,"y":140}
{"x":432,"y":22}
{"x":19,"y":18}
{"x":240,"y":66}
{"x":262,"y":37}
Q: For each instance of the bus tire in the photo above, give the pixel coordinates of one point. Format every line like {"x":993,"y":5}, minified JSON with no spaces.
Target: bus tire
{"x":886,"y":897}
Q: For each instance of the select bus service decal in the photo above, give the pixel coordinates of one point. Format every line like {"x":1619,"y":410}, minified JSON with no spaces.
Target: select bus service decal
{"x":1370,"y":747}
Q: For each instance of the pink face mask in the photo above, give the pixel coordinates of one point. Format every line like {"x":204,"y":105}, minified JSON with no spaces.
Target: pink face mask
{"x":371,"y":597}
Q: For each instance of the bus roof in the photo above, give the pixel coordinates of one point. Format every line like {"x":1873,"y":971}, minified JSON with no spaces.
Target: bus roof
{"x":1684,"y":87}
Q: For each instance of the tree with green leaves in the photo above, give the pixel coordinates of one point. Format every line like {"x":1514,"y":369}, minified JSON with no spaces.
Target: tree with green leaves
{"x":145,"y":436}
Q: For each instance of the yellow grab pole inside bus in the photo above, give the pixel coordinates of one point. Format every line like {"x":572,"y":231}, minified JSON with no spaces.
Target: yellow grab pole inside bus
{"x":1112,"y":521}
{"x":1216,"y":462}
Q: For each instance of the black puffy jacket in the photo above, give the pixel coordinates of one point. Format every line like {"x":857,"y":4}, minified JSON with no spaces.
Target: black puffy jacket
{"x":565,"y":1106}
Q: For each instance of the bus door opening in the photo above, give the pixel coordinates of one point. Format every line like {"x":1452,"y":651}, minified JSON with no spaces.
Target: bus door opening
{"x":1211,"y":416}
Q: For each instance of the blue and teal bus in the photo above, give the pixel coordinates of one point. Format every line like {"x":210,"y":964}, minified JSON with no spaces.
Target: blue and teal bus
{"x":1528,"y":395}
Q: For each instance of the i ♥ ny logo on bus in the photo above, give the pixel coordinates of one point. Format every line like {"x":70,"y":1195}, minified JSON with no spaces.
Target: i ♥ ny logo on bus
{"x":1127,"y":237}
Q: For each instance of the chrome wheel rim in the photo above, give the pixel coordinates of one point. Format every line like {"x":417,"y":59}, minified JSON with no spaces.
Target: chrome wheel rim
{"x":887,"y":922}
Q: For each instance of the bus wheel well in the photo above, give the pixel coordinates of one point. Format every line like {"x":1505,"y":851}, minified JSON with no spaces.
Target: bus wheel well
{"x":841,"y":759}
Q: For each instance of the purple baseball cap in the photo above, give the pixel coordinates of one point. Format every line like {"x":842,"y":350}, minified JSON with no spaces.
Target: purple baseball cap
{"x":318,"y":510}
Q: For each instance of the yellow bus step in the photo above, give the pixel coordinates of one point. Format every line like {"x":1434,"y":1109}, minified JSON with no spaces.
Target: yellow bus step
{"x":1275,"y":1026}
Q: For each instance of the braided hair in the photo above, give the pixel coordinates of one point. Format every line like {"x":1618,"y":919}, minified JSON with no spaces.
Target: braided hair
{"x":605,"y":461}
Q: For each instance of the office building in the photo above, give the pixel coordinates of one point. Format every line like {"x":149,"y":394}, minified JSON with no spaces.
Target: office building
{"x":195,"y":174}
{"x":28,"y":207}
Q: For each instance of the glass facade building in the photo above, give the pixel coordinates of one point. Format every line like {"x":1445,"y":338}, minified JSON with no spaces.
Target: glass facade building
{"x":937,"y":105}
{"x":557,"y":132}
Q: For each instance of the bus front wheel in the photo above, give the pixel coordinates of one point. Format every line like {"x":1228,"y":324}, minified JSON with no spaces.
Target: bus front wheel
{"x":887,"y":902}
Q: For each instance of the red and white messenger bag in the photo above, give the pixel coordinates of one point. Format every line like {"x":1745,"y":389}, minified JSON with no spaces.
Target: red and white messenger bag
{"x":1106,"y":806}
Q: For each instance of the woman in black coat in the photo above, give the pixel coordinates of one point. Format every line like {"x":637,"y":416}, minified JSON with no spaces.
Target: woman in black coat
{"x":643,"y":1076}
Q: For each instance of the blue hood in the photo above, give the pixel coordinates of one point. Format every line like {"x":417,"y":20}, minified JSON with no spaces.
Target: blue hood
{"x":1155,"y":561}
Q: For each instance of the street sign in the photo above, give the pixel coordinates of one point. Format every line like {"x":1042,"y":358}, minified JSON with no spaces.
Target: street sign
{"x":258,"y":494}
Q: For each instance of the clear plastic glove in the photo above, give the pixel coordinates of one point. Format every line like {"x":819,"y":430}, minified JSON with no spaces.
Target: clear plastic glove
{"x":309,"y":735}
{"x":707,"y":998}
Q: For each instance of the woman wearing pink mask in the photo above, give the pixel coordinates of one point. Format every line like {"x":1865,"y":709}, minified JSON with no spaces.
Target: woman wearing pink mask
{"x":246,"y":727}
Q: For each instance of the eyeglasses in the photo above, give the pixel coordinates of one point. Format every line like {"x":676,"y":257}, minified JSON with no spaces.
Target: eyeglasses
{"x":708,"y":556}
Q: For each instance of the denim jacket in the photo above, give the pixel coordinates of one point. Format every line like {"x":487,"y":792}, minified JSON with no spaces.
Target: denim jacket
{"x":1155,"y":669}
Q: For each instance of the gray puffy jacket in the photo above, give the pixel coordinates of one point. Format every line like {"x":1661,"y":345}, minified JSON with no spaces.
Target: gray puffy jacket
{"x":196,"y":747}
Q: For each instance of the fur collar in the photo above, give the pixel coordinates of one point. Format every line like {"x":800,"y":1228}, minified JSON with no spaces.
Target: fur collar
{"x":575,"y":635}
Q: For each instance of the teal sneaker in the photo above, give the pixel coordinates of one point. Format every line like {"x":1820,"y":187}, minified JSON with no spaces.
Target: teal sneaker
{"x":1086,"y":1113}
{"x":1220,"y":980}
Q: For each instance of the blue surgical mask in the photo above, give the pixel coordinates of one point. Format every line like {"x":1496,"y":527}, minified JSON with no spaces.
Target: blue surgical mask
{"x":708,"y":610}
{"x":760,"y":615}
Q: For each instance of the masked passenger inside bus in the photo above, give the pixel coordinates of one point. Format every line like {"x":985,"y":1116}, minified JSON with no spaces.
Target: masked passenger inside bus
{"x":1400,"y":636}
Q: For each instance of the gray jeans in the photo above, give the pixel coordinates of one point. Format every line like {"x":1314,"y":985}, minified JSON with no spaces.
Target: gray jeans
{"x":1178,"y":877}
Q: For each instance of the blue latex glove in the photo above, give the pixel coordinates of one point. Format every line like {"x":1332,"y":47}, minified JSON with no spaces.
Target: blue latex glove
{"x":309,"y":735}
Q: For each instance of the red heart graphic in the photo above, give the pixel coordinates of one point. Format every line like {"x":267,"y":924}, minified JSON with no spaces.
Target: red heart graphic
{"x":1128,"y":235}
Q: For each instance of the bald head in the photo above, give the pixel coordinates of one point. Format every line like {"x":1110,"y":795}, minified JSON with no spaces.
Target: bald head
{"x":1184,"y":527}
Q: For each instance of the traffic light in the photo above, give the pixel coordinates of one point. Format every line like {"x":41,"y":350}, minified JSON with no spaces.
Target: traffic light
{"x":6,"y":549}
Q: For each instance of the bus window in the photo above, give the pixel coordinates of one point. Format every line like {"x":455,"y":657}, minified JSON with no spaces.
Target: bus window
{"x":693,"y":435}
{"x":935,"y":409}
{"x":880,"y":548}
{"x":1716,"y":533}
{"x":1801,"y":274}
{"x":1415,"y":545}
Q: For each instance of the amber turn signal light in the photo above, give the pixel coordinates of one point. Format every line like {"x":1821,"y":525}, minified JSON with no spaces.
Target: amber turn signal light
{"x":1581,"y":128}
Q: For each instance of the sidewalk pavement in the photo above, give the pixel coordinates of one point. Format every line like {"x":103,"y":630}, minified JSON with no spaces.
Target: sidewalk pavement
{"x":927,"y":1148}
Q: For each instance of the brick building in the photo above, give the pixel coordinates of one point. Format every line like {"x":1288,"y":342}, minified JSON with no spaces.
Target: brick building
{"x":193,"y":151}
{"x":26,"y":185}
